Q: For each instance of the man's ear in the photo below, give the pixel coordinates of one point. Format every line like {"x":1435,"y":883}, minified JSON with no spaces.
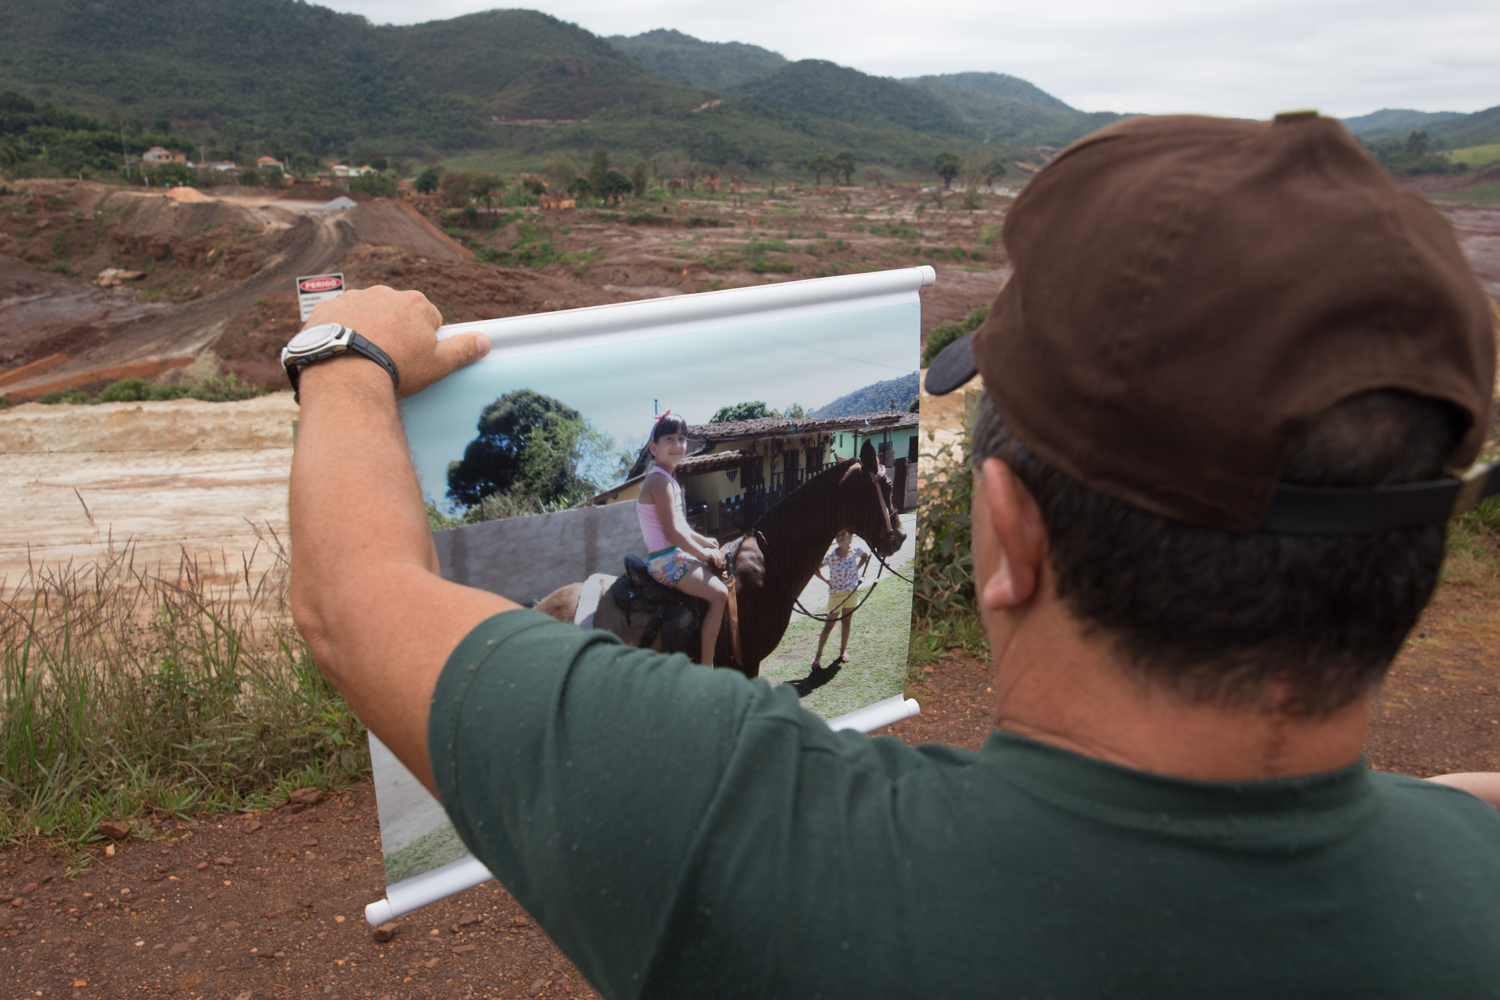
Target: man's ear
{"x":1019,"y":535}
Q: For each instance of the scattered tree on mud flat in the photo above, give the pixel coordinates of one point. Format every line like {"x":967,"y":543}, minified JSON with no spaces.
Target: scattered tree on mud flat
{"x":530,"y":443}
{"x":819,"y":165}
{"x":753,"y":410}
{"x":978,"y":172}
{"x":561,"y":173}
{"x":616,"y":186}
{"x":947,"y":166}
{"x":598,"y":171}
{"x":844,"y":163}
{"x":427,"y":181}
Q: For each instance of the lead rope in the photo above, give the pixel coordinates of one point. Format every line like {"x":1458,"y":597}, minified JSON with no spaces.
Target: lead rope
{"x":765,"y":548}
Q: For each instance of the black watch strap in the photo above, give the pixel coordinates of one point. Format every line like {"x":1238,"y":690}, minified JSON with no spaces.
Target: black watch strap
{"x":357,"y":345}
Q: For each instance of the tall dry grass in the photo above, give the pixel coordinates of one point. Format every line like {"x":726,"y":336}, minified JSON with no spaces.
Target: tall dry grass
{"x":128,"y":690}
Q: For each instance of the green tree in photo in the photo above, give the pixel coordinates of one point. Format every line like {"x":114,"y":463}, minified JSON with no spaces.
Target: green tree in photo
{"x":638,"y":178}
{"x":427,"y":181}
{"x":531,"y":443}
{"x":249,"y":177}
{"x":947,"y":166}
{"x":753,"y":410}
{"x":273,"y":177}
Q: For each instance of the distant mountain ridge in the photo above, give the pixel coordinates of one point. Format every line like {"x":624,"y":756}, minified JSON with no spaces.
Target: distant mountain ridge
{"x":1396,"y":118}
{"x":827,"y":90}
{"x":282,"y":66}
{"x":1000,"y":107}
{"x":874,"y":398}
{"x":995,"y":85}
{"x":1448,"y":130}
{"x":714,"y":65}
{"x":256,"y":76}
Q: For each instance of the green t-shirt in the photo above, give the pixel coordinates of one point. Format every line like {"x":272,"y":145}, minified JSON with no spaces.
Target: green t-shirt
{"x":684,"y":832}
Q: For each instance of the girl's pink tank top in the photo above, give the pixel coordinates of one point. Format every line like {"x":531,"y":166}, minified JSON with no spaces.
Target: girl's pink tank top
{"x":651,"y":528}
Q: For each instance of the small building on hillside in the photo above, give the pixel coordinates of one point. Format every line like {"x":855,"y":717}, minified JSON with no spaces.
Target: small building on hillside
{"x":266,"y":162}
{"x":344,"y":170}
{"x":158,"y":155}
{"x":736,"y":471}
{"x":228,"y":167}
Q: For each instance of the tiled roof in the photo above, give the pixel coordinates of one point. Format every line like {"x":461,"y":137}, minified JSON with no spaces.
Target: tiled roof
{"x":776,"y":426}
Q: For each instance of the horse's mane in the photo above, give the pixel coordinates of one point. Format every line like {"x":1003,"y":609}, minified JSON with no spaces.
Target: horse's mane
{"x":839,"y":467}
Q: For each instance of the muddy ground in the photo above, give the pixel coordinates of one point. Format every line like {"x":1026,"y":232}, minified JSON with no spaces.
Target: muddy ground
{"x":210,"y":276}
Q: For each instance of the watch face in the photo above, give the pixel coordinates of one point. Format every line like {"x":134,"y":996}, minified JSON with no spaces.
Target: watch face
{"x":313,"y":337}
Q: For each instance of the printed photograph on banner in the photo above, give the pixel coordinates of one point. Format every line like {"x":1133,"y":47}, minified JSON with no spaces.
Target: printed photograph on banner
{"x":783,"y":467}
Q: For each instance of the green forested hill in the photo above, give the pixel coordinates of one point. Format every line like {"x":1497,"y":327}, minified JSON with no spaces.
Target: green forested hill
{"x":236,"y":78}
{"x":313,"y":77}
{"x":740,"y":130}
{"x":1396,"y":120}
{"x":874,"y":398}
{"x":1450,"y":131}
{"x":714,"y":65}
{"x":825,"y":90}
{"x":525,"y":64}
{"x":267,"y":66}
{"x":1019,"y":120}
{"x":995,"y":85}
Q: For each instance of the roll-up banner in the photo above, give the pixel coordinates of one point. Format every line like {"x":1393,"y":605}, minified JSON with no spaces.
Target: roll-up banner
{"x":799,"y":399}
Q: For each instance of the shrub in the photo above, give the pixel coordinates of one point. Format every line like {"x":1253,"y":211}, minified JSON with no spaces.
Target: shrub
{"x":946,"y":333}
{"x":224,"y":388}
{"x":130,"y":690}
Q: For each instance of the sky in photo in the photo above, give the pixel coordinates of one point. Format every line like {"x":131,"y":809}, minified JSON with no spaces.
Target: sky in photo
{"x":1247,"y":59}
{"x":808,"y":360}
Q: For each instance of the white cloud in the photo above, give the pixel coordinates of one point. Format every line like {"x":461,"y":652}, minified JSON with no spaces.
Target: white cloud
{"x":1249,"y":58}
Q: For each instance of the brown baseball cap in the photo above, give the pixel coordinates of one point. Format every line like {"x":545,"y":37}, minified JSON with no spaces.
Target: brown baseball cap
{"x":1189,"y":293}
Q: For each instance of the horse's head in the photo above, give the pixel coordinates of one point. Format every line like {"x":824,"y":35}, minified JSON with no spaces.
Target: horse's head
{"x":868,"y":504}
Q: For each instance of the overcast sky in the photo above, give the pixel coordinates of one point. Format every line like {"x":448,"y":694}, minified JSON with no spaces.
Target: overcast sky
{"x":1249,"y":58}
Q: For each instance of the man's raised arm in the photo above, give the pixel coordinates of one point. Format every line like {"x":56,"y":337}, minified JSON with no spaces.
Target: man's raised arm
{"x":366,"y":593}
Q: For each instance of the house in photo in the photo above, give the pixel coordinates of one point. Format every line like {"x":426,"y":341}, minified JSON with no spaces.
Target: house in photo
{"x":738,"y":470}
{"x":266,"y":162}
{"x":344,"y":170}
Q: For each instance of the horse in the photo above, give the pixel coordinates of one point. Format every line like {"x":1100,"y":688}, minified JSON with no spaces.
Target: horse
{"x":773,"y":564}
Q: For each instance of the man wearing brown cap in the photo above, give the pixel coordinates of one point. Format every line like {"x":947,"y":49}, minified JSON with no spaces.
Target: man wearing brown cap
{"x":1226,"y":385}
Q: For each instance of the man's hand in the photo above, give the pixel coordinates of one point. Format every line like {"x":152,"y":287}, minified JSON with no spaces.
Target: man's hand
{"x":403,"y":325}
{"x":365,"y":587}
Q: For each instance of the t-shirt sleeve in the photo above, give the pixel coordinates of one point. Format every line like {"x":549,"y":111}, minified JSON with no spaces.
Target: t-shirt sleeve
{"x":578,"y":770}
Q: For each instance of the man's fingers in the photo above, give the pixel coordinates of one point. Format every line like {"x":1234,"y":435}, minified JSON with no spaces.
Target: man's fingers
{"x":464,"y":349}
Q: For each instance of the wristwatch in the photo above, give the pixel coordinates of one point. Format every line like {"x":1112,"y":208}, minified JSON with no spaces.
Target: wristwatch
{"x":321,"y":342}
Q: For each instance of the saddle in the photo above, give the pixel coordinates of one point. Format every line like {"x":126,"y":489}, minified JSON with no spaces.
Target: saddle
{"x":675,"y":616}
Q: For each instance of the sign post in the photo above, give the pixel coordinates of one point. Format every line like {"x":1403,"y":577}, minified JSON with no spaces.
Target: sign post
{"x":315,"y":288}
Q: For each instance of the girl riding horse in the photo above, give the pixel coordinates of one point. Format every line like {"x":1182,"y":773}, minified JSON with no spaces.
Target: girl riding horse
{"x":678,"y":556}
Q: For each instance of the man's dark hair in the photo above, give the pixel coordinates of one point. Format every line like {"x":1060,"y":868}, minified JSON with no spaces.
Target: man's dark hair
{"x":1218,"y":616}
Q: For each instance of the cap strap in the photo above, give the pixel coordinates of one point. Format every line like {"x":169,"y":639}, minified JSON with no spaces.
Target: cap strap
{"x":1317,"y":510}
